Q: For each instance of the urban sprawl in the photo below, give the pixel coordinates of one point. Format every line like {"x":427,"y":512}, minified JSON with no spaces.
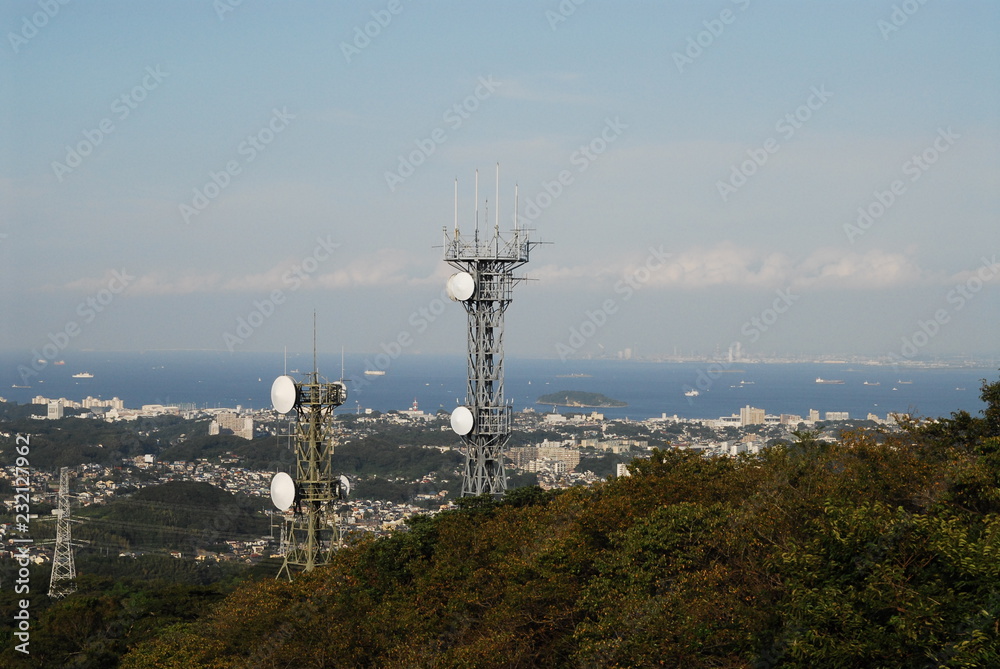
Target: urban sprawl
{"x":558,"y":462}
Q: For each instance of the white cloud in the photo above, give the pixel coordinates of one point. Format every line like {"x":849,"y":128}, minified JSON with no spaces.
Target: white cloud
{"x":739,"y":267}
{"x":723,"y":265}
{"x":386,"y":267}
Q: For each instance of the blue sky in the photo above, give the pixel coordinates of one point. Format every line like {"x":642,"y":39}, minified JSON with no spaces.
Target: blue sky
{"x":714,"y":158}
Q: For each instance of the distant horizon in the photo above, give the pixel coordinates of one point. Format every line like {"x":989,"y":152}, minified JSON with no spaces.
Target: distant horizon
{"x":776,"y":358}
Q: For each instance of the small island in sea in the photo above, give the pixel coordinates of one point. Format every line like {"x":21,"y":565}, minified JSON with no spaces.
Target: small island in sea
{"x":579,"y":398}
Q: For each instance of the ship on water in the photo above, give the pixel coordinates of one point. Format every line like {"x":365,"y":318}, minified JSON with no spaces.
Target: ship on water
{"x":83,"y":375}
{"x":375,"y":372}
{"x":828,"y":381}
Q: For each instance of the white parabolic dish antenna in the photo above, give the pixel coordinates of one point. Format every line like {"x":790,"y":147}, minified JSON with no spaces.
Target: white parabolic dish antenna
{"x":462,"y":421}
{"x":345,"y":486}
{"x":460,"y":286}
{"x":283,"y":394}
{"x":282,"y":490}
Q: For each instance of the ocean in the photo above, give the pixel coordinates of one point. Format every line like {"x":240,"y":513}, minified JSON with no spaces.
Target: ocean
{"x":211,"y":379}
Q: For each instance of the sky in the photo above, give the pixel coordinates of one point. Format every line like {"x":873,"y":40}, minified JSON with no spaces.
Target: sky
{"x":795,"y":178}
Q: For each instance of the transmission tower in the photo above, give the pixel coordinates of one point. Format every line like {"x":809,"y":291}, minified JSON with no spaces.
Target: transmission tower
{"x":63,"y":580}
{"x":483,"y":284}
{"x":311,"y":538}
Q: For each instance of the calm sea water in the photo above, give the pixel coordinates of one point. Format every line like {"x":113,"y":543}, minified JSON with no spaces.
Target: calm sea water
{"x":219,"y":379}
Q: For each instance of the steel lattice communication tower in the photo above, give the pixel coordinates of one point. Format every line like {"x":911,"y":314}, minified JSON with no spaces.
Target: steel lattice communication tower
{"x":483,"y":284}
{"x":63,"y":580}
{"x":311,"y":537}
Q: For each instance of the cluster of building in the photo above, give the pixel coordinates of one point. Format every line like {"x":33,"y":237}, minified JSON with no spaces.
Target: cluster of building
{"x":224,"y":421}
{"x":110,"y":410}
{"x":749,"y":416}
{"x":563,"y":457}
{"x":56,"y":407}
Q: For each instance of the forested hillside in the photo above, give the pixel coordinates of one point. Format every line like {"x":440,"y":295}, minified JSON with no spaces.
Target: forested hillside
{"x":880,"y":550}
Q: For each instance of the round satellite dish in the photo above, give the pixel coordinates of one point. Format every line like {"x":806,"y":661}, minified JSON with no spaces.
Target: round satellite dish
{"x":461,"y":286}
{"x":343,"y":390}
{"x":284,"y":394}
{"x":283,"y":491}
{"x":345,"y":486}
{"x":462,"y":421}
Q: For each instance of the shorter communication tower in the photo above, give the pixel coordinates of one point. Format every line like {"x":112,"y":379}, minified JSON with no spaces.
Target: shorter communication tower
{"x":63,"y":580}
{"x":311,"y":535}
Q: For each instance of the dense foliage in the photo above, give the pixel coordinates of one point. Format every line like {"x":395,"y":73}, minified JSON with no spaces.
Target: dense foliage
{"x":385,"y":453}
{"x":178,"y":515}
{"x":109,"y":614}
{"x":879,"y":550}
{"x":71,"y":441}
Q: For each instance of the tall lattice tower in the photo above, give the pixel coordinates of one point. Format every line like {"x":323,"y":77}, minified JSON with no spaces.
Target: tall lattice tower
{"x":483,"y":284}
{"x":63,"y":580}
{"x":311,"y":536}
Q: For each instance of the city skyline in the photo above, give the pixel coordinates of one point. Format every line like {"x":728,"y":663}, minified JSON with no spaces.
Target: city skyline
{"x":790,"y":179}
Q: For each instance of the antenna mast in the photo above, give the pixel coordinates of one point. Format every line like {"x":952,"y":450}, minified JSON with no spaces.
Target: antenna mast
{"x":311,"y":493}
{"x":483,"y":283}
